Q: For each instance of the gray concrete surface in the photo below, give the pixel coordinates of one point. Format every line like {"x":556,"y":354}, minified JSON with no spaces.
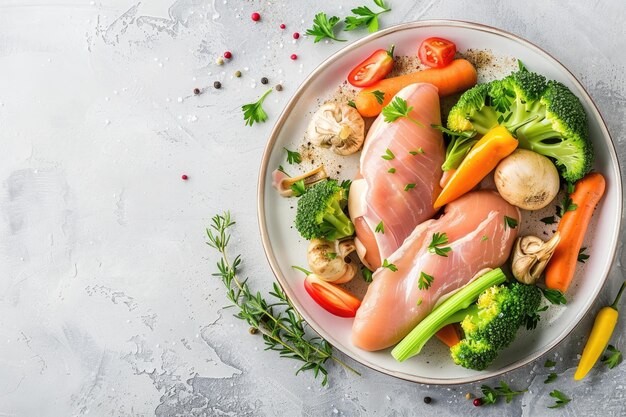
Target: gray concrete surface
{"x":107,"y":306}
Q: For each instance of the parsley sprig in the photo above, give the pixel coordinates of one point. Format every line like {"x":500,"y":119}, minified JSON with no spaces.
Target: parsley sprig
{"x":254,"y":112}
{"x":283,"y":328}
{"x":379,"y":95}
{"x":425,"y":281}
{"x":324,"y":27}
{"x":614,"y":357}
{"x":437,"y":240}
{"x":491,"y":395}
{"x":398,"y":108}
{"x":390,"y":266}
{"x":293,"y":157}
{"x":510,"y":222}
{"x":561,"y":399}
{"x":554,"y":296}
{"x":366,"y":17}
{"x":551,"y":378}
{"x":582,"y":256}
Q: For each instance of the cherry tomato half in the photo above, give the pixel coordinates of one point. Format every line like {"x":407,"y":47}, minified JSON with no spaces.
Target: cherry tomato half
{"x":331,"y":297}
{"x":437,"y":52}
{"x":373,"y":69}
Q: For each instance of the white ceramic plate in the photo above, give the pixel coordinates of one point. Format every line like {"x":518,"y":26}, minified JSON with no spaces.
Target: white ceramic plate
{"x":285,"y":248}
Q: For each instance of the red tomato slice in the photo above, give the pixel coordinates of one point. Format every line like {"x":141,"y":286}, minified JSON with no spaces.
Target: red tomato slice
{"x":437,"y":52}
{"x":373,"y":69}
{"x":331,"y":297}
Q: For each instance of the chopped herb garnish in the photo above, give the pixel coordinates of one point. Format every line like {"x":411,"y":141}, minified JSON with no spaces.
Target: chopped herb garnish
{"x":533,"y":319}
{"x":298,"y":188}
{"x":409,"y":186}
{"x":324,"y":27}
{"x":396,"y":109}
{"x":568,"y":205}
{"x":380,"y":96}
{"x":254,"y":112}
{"x":614,"y":357}
{"x":439,"y":239}
{"x":331,"y":255}
{"x":484,"y":238}
{"x":561,"y":399}
{"x":582,"y":256}
{"x":554,"y":296}
{"x":510,"y":222}
{"x":391,"y":170}
{"x":351,"y":103}
{"x":281,"y":169}
{"x":419,"y":151}
{"x":419,"y":301}
{"x":293,"y":157}
{"x":387,"y":265}
{"x":551,"y":378}
{"x":425,"y":281}
{"x":380,"y":228}
{"x":548,"y":220}
{"x":366,"y":17}
{"x":367,"y":274}
{"x":549,"y":363}
{"x":491,"y":395}
{"x":388,"y":156}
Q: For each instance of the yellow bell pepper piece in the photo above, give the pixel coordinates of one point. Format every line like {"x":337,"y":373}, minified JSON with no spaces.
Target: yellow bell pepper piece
{"x":599,"y":338}
{"x":496,"y":145}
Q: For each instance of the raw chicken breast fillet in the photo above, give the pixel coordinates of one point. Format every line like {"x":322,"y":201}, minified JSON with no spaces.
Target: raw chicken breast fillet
{"x":478,"y":238}
{"x":378,"y":195}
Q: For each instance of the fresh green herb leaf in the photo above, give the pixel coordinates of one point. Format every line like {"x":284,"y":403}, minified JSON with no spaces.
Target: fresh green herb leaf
{"x":293,"y":157}
{"x":548,"y":220}
{"x":396,"y":109}
{"x":419,"y":151}
{"x":298,"y":188}
{"x":387,"y":265}
{"x":299,"y":268}
{"x":561,"y":399}
{"x":491,"y":395}
{"x":549,"y":363}
{"x":556,"y":297}
{"x":510,"y":222}
{"x":365,"y":17}
{"x":367,"y":274}
{"x":484,"y":238}
{"x":614,"y":357}
{"x":388,"y":156}
{"x":391,"y":170}
{"x":425,"y":281}
{"x":533,"y":319}
{"x":382,"y":5}
{"x":380,"y":96}
{"x":380,"y":228}
{"x":567,"y":204}
{"x":551,"y":378}
{"x":351,"y":103}
{"x":281,"y":169}
{"x":324,"y":27}
{"x":331,"y":255}
{"x":254,"y":112}
{"x":437,"y":240}
{"x":419,"y":301}
{"x":582,"y":256}
{"x":409,"y":186}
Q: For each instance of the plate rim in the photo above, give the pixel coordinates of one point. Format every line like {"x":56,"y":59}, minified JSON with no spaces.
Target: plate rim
{"x":269,"y":253}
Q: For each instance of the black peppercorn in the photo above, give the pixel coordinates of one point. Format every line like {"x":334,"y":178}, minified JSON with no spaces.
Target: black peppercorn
{"x":196,"y":91}
{"x":279,"y":87}
{"x":428,"y":400}
{"x":264,"y":80}
{"x":217,"y":85}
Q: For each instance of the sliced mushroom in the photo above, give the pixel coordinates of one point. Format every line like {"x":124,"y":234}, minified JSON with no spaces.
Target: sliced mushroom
{"x":331,"y":260}
{"x":338,"y":127}
{"x":530,"y":257}
{"x":282,"y":182}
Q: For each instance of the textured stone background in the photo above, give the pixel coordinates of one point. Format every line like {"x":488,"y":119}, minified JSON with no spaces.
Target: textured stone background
{"x":107,"y":306}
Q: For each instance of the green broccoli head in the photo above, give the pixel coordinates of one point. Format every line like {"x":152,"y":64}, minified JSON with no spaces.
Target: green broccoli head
{"x":473,"y":354}
{"x":492,"y":326}
{"x":320,"y":213}
{"x":546,"y":117}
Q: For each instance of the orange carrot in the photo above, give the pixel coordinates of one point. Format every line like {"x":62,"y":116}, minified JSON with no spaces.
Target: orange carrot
{"x":458,"y":76}
{"x":573,"y":225}
{"x":449,"y":334}
{"x":496,"y":145}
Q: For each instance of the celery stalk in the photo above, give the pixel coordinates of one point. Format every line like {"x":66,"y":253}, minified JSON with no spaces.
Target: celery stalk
{"x":413,"y":343}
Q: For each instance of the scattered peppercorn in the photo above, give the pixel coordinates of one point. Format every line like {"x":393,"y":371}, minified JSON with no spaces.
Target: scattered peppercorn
{"x":217,"y":85}
{"x":253,"y":330}
{"x":264,"y":80}
{"x":477,"y":402}
{"x":279,"y":87}
{"x":296,"y":35}
{"x":237,"y":74}
{"x":294,"y":56}
{"x":282,"y":26}
{"x":428,"y":400}
{"x":228,"y":55}
{"x":255,"y":16}
{"x":184,"y":177}
{"x":219,"y":61}
{"x":468,"y":396}
{"x":196,"y":91}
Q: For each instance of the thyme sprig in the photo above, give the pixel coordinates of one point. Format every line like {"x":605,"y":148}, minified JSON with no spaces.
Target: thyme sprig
{"x":282,"y":327}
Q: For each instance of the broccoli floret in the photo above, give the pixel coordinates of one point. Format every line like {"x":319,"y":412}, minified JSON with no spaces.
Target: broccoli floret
{"x":546,"y":117}
{"x":501,"y":310}
{"x":320,"y":213}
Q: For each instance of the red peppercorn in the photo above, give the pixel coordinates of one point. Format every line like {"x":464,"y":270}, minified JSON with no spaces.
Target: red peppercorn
{"x":228,"y":55}
{"x":282,"y":26}
{"x":477,"y":402}
{"x":296,"y":35}
{"x":184,"y":177}
{"x":294,"y":56}
{"x":255,"y":16}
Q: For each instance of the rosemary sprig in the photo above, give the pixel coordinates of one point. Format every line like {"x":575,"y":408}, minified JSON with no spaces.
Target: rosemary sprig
{"x":282,"y":327}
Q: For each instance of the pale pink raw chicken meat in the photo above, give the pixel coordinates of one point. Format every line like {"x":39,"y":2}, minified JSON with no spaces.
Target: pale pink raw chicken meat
{"x":478,"y":237}
{"x":379,"y":197}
